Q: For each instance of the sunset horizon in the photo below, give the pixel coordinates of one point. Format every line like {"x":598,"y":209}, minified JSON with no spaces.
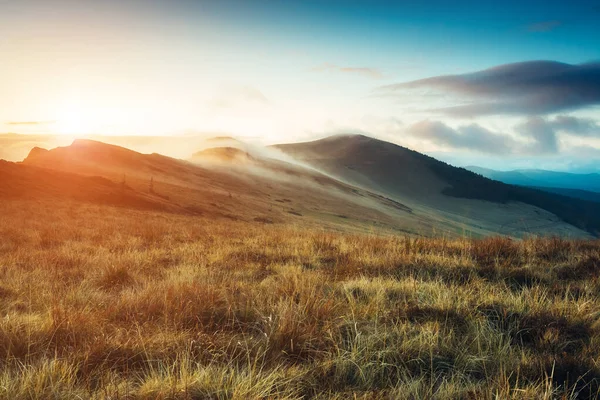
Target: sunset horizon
{"x":431,"y":78}
{"x":299,"y":199}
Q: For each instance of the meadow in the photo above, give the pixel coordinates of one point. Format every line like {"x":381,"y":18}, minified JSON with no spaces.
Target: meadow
{"x":110,"y":303}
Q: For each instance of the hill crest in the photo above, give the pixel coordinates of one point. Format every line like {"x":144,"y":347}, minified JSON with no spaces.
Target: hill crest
{"x":409,"y":176}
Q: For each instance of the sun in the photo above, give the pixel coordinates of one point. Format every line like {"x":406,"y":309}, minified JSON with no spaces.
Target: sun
{"x":75,"y":119}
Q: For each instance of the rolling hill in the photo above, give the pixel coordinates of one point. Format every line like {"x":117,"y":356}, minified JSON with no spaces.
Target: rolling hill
{"x":348,"y":183}
{"x":456,"y":195}
{"x":259,"y":189}
{"x":35,"y":183}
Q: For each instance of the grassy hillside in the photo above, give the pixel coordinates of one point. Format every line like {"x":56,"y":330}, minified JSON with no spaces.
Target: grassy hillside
{"x":102,"y":302}
{"x":580,"y":213}
{"x":30,"y":182}
{"x":579,"y":194}
{"x":397,"y":170}
{"x":216,"y":185}
{"x":399,"y":194}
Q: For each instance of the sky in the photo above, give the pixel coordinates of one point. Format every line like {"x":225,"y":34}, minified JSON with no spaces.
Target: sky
{"x":512,"y":84}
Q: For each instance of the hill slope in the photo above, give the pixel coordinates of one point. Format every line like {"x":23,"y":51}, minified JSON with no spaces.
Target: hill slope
{"x":346,"y":183}
{"x":106,"y":303}
{"x":454,"y":193}
{"x":258,"y":189}
{"x":575,"y":193}
{"x":34,"y":183}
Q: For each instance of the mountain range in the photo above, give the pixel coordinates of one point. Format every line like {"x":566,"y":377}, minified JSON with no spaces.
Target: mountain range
{"x":585,"y":186}
{"x":344,"y":182}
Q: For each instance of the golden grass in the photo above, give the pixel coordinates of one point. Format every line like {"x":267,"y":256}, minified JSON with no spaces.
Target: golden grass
{"x":100,"y":302}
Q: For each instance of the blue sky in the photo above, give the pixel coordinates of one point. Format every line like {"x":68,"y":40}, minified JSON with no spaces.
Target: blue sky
{"x":278,"y":71}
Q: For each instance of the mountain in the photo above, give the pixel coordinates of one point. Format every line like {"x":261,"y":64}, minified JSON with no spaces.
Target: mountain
{"x":348,"y":183}
{"x":542,"y":178}
{"x":262,"y":189}
{"x":452,"y":195}
{"x":370,"y":163}
{"x":91,"y":157}
{"x":33,"y":183}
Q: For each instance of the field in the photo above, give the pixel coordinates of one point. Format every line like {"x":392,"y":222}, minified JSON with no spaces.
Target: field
{"x":110,"y":303}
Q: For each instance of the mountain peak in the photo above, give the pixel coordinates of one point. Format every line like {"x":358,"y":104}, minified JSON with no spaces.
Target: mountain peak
{"x":36,"y":152}
{"x":89,"y":144}
{"x":85,"y":151}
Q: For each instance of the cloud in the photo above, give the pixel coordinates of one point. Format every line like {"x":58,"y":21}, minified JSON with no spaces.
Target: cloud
{"x":362,"y":71}
{"x":249,"y":93}
{"x":585,"y":159}
{"x":469,"y":137}
{"x":544,"y":26}
{"x":525,"y":88}
{"x":535,"y":135}
{"x":30,"y":122}
{"x":543,"y":134}
{"x":233,"y":96}
{"x":576,"y":126}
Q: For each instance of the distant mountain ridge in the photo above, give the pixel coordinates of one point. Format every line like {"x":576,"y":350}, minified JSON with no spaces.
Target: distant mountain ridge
{"x":542,"y":178}
{"x":407,"y":174}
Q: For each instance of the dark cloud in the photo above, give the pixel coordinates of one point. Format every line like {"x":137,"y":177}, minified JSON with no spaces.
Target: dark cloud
{"x":545,"y":132}
{"x":536,"y":135}
{"x":544,"y":26}
{"x":576,"y":126}
{"x":542,"y":133}
{"x":526,"y":88}
{"x":470,"y":137}
{"x":363,"y":71}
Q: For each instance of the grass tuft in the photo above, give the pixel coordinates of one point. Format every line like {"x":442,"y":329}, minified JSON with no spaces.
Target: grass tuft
{"x":100,"y":302}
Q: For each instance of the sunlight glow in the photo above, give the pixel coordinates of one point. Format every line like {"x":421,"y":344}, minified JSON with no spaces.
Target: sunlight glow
{"x":74,"y":119}
{"x":82,"y":118}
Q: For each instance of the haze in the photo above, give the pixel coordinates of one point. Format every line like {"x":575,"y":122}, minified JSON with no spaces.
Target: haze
{"x":507,"y":86}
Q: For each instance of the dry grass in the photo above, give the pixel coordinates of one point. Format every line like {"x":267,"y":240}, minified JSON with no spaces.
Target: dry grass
{"x":98,"y":302}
